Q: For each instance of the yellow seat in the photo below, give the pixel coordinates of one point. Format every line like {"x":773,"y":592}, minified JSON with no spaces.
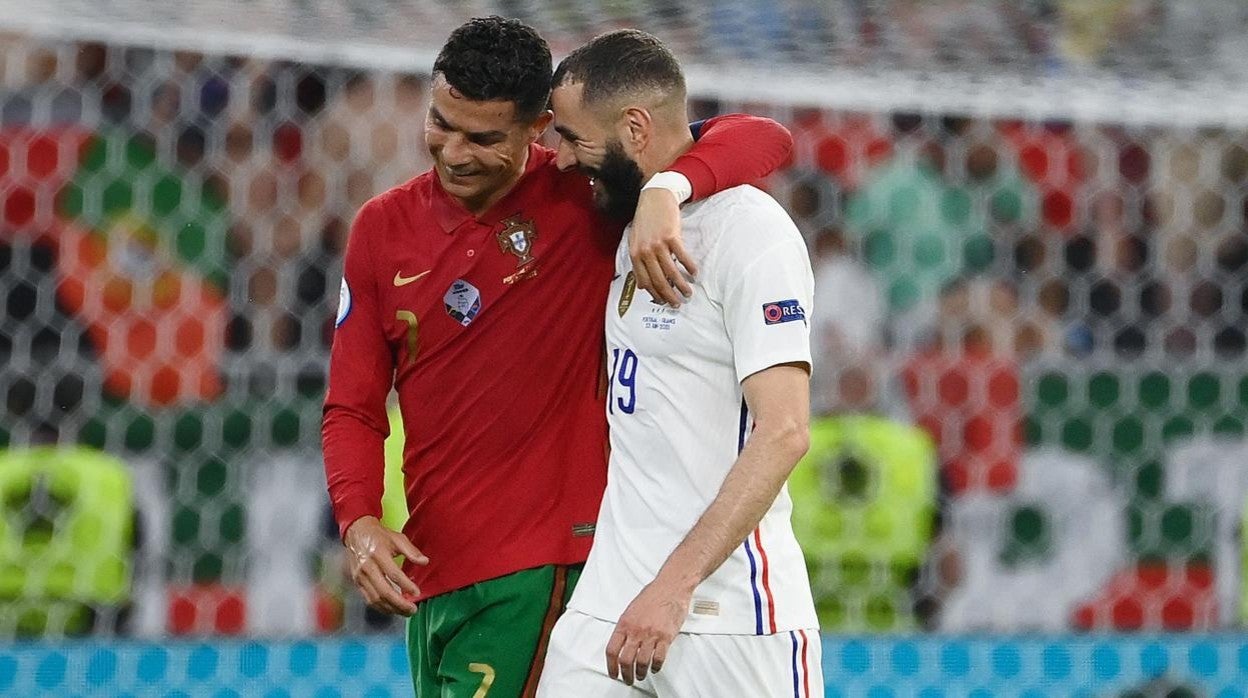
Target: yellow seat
{"x":66,"y":537}
{"x":864,"y":499}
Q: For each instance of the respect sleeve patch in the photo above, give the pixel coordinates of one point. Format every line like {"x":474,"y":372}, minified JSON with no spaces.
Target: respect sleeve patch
{"x":777,"y":312}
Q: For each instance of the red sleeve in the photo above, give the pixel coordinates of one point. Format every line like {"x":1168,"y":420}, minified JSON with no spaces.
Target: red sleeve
{"x":361,"y":372}
{"x":734,"y":149}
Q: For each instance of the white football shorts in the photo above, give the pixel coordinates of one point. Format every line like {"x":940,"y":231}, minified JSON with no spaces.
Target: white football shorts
{"x":784,"y":665}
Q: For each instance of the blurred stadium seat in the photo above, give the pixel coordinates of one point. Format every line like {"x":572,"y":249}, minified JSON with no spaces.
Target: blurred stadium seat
{"x":864,"y":502}
{"x":68,"y":536}
{"x":1053,"y":541}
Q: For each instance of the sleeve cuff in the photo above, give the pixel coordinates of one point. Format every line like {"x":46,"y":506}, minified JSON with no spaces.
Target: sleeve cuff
{"x":700,"y":177}
{"x":675,"y":182}
{"x":762,"y":362}
{"x":350,"y":511}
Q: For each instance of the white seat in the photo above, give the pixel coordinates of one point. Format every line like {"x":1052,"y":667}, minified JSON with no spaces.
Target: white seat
{"x":286,"y":503}
{"x":1086,"y":519}
{"x":150,"y":589}
{"x":1215,"y":470}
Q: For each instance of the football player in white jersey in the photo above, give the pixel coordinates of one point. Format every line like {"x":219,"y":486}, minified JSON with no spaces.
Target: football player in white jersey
{"x":694,"y":569}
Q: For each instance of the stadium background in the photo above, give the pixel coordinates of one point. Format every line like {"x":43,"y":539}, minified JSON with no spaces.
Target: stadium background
{"x":1030,"y":233}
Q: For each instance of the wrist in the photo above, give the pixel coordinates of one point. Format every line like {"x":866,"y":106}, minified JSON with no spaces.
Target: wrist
{"x":675,"y":182}
{"x":677,"y":580}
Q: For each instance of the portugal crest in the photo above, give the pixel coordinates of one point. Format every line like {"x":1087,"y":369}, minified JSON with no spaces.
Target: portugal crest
{"x":517,"y":238}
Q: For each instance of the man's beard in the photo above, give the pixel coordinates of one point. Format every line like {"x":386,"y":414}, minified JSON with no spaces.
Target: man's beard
{"x":620,"y":179}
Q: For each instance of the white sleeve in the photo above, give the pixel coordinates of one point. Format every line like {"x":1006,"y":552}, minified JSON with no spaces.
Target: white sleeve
{"x":766,"y":293}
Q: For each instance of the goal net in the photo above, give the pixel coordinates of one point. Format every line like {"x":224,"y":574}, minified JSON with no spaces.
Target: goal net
{"x":1028,"y":223}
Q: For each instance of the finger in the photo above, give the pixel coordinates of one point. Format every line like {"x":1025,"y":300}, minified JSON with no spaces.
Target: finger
{"x":628,"y":658}
{"x":388,"y":594}
{"x":379,"y":604}
{"x":359,"y":573}
{"x":682,"y":256}
{"x":661,"y":288}
{"x":369,"y":583}
{"x":395,"y":574}
{"x":641,"y":276}
{"x":659,"y":656}
{"x":365,"y":585}
{"x":645,"y":651}
{"x":675,"y":276}
{"x":389,"y":600}
{"x":613,"y":653}
{"x":662,"y":283}
{"x":409,"y":551}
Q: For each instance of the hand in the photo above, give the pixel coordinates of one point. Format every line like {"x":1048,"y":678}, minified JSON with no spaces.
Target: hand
{"x":373,"y":548}
{"x":645,"y":631}
{"x":655,"y":247}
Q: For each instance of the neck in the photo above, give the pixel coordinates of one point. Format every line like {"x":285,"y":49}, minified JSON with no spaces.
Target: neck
{"x":664,"y":150}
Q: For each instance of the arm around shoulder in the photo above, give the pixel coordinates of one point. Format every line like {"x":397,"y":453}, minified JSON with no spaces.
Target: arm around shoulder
{"x":732,"y":150}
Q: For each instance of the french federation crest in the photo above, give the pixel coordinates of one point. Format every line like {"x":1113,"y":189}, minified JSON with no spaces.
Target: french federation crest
{"x":517,"y":237}
{"x":626,"y":294}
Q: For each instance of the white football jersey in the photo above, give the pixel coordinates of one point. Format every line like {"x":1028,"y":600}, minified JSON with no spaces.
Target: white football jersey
{"x":678,"y":417}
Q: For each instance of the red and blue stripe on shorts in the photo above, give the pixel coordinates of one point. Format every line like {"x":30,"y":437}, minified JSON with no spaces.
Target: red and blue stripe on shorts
{"x":760,"y":584}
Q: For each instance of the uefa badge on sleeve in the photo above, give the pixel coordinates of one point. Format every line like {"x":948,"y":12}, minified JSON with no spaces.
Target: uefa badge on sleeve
{"x":777,"y":312}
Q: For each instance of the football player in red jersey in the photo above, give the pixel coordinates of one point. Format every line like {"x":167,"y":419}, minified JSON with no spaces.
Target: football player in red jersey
{"x":476,"y":291}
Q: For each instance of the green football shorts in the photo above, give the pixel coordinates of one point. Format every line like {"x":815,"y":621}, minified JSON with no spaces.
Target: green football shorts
{"x":488,"y":640}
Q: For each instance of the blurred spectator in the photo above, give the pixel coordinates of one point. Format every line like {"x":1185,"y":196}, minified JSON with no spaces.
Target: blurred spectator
{"x":934,"y":214}
{"x":897,"y":220}
{"x":747,"y":30}
{"x":1053,"y":160}
{"x":964,"y":387}
{"x":953,"y":33}
{"x":1201,"y":233}
{"x":847,"y":328}
{"x":1117,"y":298}
{"x":47,"y":83}
{"x":1092,"y":32}
{"x":371,"y":137}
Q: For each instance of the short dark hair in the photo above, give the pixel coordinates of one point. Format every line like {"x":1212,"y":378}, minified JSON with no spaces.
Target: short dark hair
{"x":621,"y":61}
{"x":497,"y":59}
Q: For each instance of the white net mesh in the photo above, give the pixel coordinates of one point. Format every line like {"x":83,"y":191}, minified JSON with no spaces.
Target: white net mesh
{"x":1125,"y":60}
{"x":1030,"y":232}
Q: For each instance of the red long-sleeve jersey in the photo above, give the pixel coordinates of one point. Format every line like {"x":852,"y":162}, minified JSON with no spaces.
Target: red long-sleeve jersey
{"x":490,"y":328}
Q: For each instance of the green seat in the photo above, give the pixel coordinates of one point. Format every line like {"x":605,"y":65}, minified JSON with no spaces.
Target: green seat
{"x":864,"y":499}
{"x":394,"y":497}
{"x":66,"y":538}
{"x":1243,"y":568}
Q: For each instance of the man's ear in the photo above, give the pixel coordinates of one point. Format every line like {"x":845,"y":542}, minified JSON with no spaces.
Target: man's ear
{"x":636,"y":128}
{"x":540,"y":124}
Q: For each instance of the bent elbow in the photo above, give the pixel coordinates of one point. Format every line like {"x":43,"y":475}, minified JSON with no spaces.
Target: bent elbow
{"x":792,"y":437}
{"x":799,"y":441}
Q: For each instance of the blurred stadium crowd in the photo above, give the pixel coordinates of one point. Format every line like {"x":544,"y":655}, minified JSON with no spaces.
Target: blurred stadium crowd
{"x":1030,"y":342}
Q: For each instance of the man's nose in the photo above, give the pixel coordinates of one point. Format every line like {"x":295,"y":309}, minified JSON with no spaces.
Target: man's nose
{"x":565,"y":157}
{"x":455,"y":152}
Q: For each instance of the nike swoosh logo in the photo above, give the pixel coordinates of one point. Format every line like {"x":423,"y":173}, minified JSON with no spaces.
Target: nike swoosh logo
{"x":400,"y":280}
